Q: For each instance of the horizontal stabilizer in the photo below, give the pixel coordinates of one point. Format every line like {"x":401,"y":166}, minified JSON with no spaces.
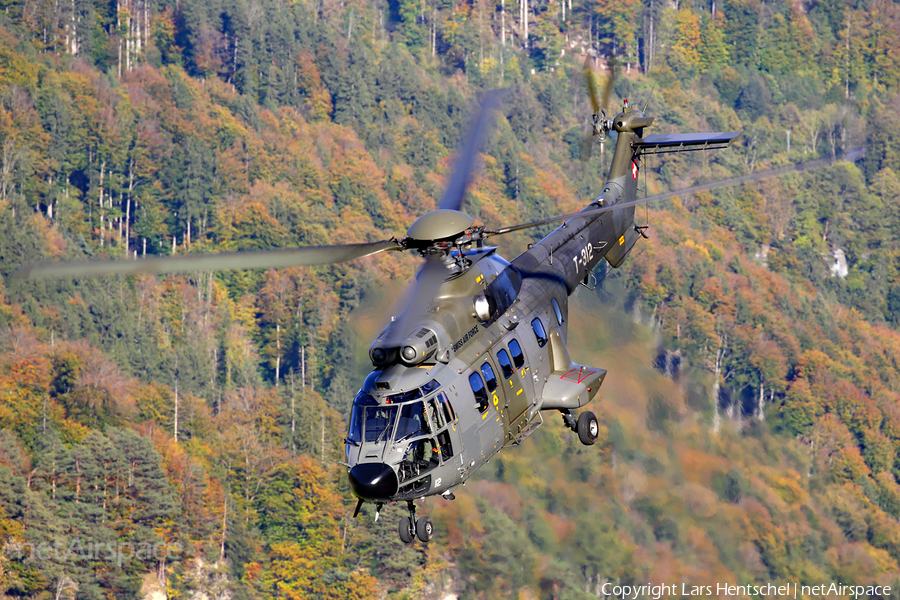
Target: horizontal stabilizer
{"x":678,"y":142}
{"x":572,"y":388}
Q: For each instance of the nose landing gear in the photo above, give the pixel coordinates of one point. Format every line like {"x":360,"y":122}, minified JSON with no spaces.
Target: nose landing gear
{"x":413,"y":527}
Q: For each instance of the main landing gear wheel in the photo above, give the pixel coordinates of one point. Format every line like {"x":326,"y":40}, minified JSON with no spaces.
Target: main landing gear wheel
{"x":588,"y":428}
{"x":425,"y":529}
{"x":407,"y":533}
{"x":412,"y":527}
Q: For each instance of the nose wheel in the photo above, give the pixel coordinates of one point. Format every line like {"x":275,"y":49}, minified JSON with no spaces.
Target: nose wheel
{"x":413,"y":527}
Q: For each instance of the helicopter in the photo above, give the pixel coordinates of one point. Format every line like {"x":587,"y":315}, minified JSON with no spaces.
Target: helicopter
{"x":479,"y":354}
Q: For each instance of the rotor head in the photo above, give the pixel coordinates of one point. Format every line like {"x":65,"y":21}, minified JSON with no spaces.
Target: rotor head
{"x":438,"y":225}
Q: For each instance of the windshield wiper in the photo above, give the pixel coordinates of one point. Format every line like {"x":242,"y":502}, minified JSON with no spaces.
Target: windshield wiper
{"x":413,"y":434}
{"x":349,"y":441}
{"x":383,"y":431}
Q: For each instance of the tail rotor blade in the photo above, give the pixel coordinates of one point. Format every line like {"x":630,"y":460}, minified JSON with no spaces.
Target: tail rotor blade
{"x":591,"y":84}
{"x":604,"y":102}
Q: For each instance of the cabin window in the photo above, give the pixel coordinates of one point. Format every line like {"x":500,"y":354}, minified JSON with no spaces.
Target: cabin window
{"x":505,"y":364}
{"x":559,"y":318}
{"x":445,"y":404}
{"x":412,"y":421}
{"x":489,"y":376}
{"x":539,"y":332}
{"x":481,"y":397}
{"x":516,"y":350}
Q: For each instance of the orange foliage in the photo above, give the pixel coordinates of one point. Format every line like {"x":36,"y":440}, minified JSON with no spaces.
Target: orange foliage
{"x":501,"y":496}
{"x":700,"y":466}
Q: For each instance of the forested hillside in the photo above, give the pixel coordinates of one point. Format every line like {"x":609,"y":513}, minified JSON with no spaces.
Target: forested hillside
{"x":178,"y":436}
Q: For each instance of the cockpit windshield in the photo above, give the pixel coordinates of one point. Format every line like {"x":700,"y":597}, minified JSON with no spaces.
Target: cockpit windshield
{"x":372,"y":422}
{"x":379,"y":422}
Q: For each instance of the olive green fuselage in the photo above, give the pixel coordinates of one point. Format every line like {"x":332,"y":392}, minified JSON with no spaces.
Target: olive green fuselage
{"x":490,"y":372}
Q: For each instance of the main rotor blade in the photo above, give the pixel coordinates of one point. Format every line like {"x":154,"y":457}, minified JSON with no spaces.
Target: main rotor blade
{"x":428,"y":281}
{"x":260,"y":259}
{"x":465,"y":162}
{"x":852,"y":156}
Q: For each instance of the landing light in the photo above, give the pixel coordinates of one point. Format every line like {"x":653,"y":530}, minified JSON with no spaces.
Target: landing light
{"x":408,"y":353}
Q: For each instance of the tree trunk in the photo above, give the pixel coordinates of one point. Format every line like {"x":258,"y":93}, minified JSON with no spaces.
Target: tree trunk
{"x":502,"y":24}
{"x":224,"y":526}
{"x":293,"y":414}
{"x":714,"y":393}
{"x":761,"y":406}
{"x":176,"y":408}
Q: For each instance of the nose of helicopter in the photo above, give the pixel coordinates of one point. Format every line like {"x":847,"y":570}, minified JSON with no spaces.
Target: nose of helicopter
{"x":373,"y":481}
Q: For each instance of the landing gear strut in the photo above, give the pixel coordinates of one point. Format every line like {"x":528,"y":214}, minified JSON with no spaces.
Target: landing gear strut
{"x":413,"y":527}
{"x":587,"y":427}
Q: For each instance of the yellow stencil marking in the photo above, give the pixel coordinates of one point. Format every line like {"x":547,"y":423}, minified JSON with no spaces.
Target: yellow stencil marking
{"x":519,"y":392}
{"x":621,"y":240}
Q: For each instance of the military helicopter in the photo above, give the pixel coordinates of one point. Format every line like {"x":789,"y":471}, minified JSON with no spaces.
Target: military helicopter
{"x":479,"y":354}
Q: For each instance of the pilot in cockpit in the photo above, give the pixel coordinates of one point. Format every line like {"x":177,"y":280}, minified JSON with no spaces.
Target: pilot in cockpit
{"x":421,"y":454}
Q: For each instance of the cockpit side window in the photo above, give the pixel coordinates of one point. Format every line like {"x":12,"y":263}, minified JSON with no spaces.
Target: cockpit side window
{"x":445,"y":404}
{"x":362,"y":400}
{"x":446,"y":446}
{"x":517,"y":356}
{"x":481,"y":397}
{"x":412,"y":421}
{"x":539,"y":332}
{"x":354,"y":436}
{"x":505,"y":364}
{"x":437,"y":419}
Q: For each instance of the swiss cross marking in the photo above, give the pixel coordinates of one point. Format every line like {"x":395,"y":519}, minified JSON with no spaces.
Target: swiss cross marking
{"x":634,"y":170}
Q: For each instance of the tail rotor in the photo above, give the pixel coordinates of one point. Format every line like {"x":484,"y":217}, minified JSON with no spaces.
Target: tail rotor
{"x":600,"y":124}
